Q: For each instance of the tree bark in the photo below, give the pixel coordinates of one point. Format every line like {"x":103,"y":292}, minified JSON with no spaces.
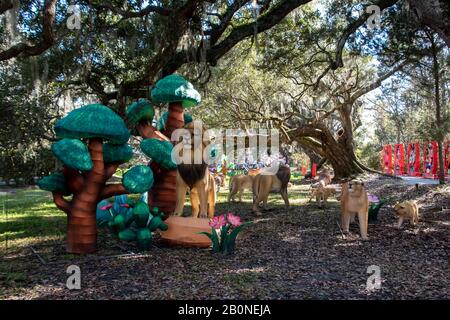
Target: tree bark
{"x":147,"y":131}
{"x":47,"y":41}
{"x":81,"y":221}
{"x":87,"y":189}
{"x":434,"y":14}
{"x":437,"y":101}
{"x":163,"y":192}
{"x":175,"y":119}
{"x":341,"y":156}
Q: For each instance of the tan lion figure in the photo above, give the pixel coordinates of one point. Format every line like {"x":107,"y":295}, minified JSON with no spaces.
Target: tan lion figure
{"x":322,"y":194}
{"x":324,"y":178}
{"x":407,"y":210}
{"x":264,"y":184}
{"x":239,"y":183}
{"x":196,"y":178}
{"x":354,"y":201}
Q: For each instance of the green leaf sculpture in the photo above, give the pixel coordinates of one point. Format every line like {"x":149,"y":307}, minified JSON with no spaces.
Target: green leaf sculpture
{"x":54,"y":183}
{"x":144,"y":238}
{"x":159,"y":151}
{"x":174,"y":88}
{"x":118,"y":153}
{"x":127,"y":235}
{"x":73,"y":153}
{"x":93,"y":121}
{"x":229,"y":225}
{"x":141,"y":214}
{"x":138,"y":179}
{"x":137,"y":226}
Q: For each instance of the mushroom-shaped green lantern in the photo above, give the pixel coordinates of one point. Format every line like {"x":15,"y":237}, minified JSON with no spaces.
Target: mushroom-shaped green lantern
{"x":93,"y":140}
{"x":159,"y":151}
{"x":180,"y":94}
{"x":140,"y":110}
{"x":73,"y":153}
{"x":94,"y":121}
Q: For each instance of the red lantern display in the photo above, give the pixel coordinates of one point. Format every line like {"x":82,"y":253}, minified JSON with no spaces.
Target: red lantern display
{"x":314,"y":170}
{"x":399,"y":159}
{"x":303,"y":170}
{"x":447,"y":157}
{"x":413,"y":168}
{"x":387,"y":159}
{"x":430,"y":159}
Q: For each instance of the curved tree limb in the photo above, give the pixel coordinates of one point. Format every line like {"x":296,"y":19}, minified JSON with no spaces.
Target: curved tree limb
{"x":366,"y":168}
{"x":61,"y":203}
{"x":113,"y":190}
{"x":128,"y":14}
{"x":147,"y":131}
{"x":48,"y":38}
{"x":351,"y":29}
{"x":434,"y":14}
{"x":378,"y":81}
{"x":217,"y":50}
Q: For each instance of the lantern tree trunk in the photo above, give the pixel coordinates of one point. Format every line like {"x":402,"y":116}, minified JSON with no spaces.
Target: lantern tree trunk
{"x":175,"y":119}
{"x":81,"y":221}
{"x":87,"y":189}
{"x":163,"y":192}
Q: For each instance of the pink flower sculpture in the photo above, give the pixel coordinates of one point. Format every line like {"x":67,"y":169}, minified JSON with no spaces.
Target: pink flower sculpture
{"x":107,"y":207}
{"x":234,"y":220}
{"x":218,"y":222}
{"x":373,"y":198}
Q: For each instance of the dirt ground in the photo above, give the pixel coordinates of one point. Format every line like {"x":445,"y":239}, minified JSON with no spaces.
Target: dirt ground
{"x":298,"y":253}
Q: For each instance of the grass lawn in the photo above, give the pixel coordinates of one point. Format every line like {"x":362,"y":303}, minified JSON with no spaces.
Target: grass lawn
{"x":29,"y":217}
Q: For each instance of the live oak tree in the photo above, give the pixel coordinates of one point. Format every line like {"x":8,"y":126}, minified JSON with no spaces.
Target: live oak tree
{"x":123,"y":47}
{"x":110,"y":52}
{"x":93,"y":144}
{"x":135,"y":43}
{"x":322,"y":119}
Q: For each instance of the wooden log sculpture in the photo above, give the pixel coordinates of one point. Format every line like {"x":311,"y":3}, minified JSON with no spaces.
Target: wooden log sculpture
{"x":87,"y":167}
{"x":183,"y":231}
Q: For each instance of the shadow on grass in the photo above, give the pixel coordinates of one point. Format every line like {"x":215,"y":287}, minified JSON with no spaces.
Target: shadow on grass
{"x":32,"y":226}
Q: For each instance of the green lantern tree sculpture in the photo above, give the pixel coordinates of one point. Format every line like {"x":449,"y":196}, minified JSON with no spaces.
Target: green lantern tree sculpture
{"x":179,"y":94}
{"x":93,"y":144}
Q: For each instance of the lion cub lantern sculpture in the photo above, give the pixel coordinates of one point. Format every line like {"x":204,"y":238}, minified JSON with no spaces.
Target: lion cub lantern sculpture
{"x":265,"y":183}
{"x":354,"y":201}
